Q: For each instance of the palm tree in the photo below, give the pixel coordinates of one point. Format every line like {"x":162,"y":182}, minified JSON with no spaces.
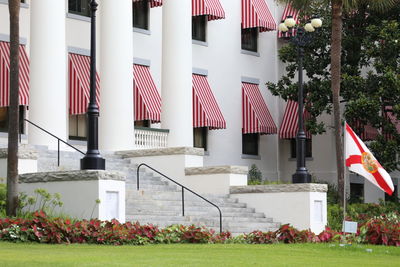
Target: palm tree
{"x":13,"y":128}
{"x":336,"y":47}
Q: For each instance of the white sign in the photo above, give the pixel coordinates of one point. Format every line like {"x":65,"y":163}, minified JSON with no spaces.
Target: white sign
{"x":350,"y":227}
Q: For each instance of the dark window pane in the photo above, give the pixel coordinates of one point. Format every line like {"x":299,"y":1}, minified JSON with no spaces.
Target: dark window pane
{"x":4,"y":121}
{"x":200,"y":137}
{"x":141,"y":14}
{"x":293,"y":148}
{"x":199,"y":25}
{"x":249,"y":39}
{"x":356,"y":193}
{"x":79,"y":7}
{"x":145,"y":123}
{"x":250,"y":144}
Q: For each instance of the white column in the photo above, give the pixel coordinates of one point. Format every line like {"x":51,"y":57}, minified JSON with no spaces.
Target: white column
{"x":48,"y":72}
{"x":116,"y":121}
{"x":176,"y":89}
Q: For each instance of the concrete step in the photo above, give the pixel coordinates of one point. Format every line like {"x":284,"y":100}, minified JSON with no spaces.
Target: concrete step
{"x":178,"y":203}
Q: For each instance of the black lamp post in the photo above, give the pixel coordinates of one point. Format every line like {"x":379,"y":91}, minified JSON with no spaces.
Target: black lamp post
{"x":300,"y":38}
{"x":93,"y":159}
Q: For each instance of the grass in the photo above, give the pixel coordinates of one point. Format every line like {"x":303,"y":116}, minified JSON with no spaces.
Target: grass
{"x":12,"y":254}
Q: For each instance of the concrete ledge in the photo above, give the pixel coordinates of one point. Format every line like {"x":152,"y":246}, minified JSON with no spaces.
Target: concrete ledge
{"x":216,"y":170}
{"x":161,"y":152}
{"x":85,"y":194}
{"x":279,"y":188}
{"x":23,"y":153}
{"x":63,"y":176}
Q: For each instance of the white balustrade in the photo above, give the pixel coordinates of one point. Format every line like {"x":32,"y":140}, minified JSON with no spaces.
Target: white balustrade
{"x":150,"y":138}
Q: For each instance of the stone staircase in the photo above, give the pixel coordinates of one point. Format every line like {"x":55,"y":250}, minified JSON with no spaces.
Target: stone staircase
{"x":159,"y":201}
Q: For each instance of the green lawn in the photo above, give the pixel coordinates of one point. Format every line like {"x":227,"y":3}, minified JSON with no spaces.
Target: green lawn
{"x":198,"y":255}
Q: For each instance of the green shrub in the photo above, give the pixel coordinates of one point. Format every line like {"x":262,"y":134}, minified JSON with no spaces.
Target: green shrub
{"x":254,"y":175}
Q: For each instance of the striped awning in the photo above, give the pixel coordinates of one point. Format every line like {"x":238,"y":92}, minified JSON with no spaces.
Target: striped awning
{"x":153,"y":3}
{"x":79,"y":84}
{"x":146,"y":96}
{"x":289,"y":125}
{"x":365,"y":132}
{"x":206,"y":112}
{"x":5,"y":75}
{"x":256,"y":116}
{"x":211,"y":8}
{"x":289,"y":11}
{"x":256,"y":14}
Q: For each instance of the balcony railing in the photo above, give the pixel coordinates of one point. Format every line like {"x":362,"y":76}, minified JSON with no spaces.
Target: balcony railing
{"x":146,"y":138}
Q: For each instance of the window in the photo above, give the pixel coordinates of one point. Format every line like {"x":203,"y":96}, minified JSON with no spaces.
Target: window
{"x":356,"y":193}
{"x":200,"y":137}
{"x":4,"y":121}
{"x":77,"y":127}
{"x":199,"y":26}
{"x":250,"y":144}
{"x":79,"y":7}
{"x":249,"y":39}
{"x":293,"y":148}
{"x":140,"y":14}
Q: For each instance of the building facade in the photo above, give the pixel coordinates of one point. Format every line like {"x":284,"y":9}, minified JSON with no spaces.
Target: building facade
{"x":191,"y":73}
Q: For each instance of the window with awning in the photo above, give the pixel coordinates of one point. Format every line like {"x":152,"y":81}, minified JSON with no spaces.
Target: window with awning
{"x":256,"y":116}
{"x":210,"y":8}
{"x":79,"y":84}
{"x":206,"y":112}
{"x":5,"y":75}
{"x":289,"y":125}
{"x":256,"y":14}
{"x":146,"y":96}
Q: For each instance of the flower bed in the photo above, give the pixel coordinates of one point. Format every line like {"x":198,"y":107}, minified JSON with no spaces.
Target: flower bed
{"x":383,"y":230}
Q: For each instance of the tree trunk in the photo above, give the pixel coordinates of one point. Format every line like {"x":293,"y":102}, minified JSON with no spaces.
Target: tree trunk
{"x":13,"y":126}
{"x":336,"y":47}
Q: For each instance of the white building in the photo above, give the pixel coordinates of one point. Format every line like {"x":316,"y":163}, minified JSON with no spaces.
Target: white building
{"x":200,"y":73}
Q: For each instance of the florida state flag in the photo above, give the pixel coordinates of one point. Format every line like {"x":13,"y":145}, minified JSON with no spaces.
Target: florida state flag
{"x":360,"y":160}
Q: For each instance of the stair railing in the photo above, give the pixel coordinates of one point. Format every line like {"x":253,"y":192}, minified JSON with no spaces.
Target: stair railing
{"x":58,"y":141}
{"x":183,"y":188}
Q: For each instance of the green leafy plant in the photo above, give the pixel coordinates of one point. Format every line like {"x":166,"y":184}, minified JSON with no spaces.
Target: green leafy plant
{"x":254,"y":175}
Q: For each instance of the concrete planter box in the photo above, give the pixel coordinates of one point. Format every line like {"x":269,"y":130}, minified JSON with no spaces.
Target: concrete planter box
{"x":79,"y":191}
{"x":302,"y":205}
{"x":215,"y":179}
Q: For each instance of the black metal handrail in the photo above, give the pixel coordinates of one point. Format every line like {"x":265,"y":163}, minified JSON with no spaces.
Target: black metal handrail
{"x":58,"y":141}
{"x":183,"y":190}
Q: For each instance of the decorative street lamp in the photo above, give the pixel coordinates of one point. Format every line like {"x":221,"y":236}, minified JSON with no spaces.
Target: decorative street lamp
{"x":300,"y":36}
{"x":93,"y":159}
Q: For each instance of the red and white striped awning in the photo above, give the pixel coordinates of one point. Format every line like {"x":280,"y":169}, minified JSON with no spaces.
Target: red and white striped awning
{"x":79,"y":84}
{"x":365,"y":132}
{"x":256,"y":116}
{"x":289,"y":11}
{"x":212,"y":8}
{"x":256,"y":14}
{"x":153,"y":3}
{"x":5,"y":75}
{"x":206,"y":112}
{"x":289,"y":125}
{"x":146,"y":96}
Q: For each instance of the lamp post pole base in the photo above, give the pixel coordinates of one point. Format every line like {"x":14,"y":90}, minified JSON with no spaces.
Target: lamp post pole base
{"x":301,"y":177}
{"x":91,"y":162}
